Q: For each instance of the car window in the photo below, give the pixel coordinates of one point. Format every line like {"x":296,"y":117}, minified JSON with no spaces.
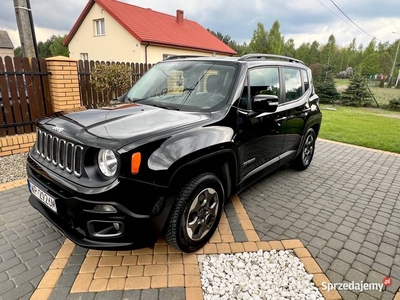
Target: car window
{"x":293,"y":84}
{"x":306,"y":81}
{"x":260,"y":81}
{"x":185,"y":85}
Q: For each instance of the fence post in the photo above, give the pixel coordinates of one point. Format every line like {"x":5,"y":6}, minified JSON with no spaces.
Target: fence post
{"x":64,"y":83}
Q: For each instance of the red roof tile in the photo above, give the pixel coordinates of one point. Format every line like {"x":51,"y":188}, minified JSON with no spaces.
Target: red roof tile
{"x":149,"y":26}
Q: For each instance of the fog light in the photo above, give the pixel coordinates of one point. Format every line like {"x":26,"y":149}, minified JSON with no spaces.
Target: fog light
{"x":116,"y":226}
{"x":105,"y":208}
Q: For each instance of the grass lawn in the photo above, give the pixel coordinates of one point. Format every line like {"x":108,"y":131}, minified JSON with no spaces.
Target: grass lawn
{"x":384,"y":95}
{"x":341,"y":81}
{"x":372,"y":128}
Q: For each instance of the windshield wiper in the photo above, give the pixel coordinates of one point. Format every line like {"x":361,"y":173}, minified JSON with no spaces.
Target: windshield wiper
{"x":165,"y":106}
{"x":188,"y":89}
{"x":134,"y":100}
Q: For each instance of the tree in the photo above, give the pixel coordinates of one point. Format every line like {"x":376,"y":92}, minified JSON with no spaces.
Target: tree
{"x":303,"y":53}
{"x":386,"y":62}
{"x":370,"y":48}
{"x":328,"y":51}
{"x":352,"y":50}
{"x":259,"y":42}
{"x":52,"y":47}
{"x":289,"y":48}
{"x":275,"y":40}
{"x":240,"y":49}
{"x":57,"y":48}
{"x":382,"y":47}
{"x":44,"y":47}
{"x":370,"y":64}
{"x":324,"y":84}
{"x":314,"y":55}
{"x":308,"y":53}
{"x":357,"y":92}
{"x":18,"y":52}
{"x":224,"y":38}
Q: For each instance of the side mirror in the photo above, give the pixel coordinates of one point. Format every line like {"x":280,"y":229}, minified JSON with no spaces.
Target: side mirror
{"x":265,"y":103}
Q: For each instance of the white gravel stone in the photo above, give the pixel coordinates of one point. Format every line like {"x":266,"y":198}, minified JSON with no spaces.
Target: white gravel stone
{"x":13,"y":167}
{"x":255,"y":276}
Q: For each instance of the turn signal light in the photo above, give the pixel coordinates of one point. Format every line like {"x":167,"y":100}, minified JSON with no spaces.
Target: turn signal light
{"x":135,"y":162}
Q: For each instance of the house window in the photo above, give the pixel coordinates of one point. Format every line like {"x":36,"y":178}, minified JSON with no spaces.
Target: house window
{"x":84,"y":56}
{"x":99,"y":28}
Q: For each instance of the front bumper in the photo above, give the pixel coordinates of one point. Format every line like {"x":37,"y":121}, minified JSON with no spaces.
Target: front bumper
{"x":136,"y":221}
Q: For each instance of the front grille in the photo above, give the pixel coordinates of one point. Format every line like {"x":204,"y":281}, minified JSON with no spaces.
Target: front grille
{"x":59,"y":152}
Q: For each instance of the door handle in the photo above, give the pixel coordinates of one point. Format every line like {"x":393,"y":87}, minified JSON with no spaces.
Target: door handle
{"x":306,"y":110}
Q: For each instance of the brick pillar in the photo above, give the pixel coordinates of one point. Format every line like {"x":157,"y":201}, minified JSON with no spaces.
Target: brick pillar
{"x":64,"y":83}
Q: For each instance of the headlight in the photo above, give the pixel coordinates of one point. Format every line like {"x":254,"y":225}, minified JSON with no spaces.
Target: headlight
{"x":107,"y":162}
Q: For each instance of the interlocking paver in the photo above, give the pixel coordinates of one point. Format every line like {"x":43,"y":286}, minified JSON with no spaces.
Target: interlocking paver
{"x":395,"y":272}
{"x":384,"y":259}
{"x":353,"y":246}
{"x":59,"y":293}
{"x":355,"y":275}
{"x":348,"y":295}
{"x":387,"y":249}
{"x":81,"y":296}
{"x":108,"y":295}
{"x":352,"y":201}
{"x":149,"y":295}
{"x":342,"y":208}
{"x":17,"y":293}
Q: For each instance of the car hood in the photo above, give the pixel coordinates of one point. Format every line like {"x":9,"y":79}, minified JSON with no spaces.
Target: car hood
{"x":122,"y":123}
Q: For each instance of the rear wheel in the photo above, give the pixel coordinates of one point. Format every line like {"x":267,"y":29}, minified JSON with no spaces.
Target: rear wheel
{"x":303,"y":160}
{"x":196,"y":214}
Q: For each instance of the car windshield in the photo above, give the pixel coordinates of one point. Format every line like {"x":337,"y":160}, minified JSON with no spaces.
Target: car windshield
{"x":185,"y":85}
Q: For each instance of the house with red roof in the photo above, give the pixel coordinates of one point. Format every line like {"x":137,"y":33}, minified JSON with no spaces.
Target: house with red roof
{"x":111,"y":30}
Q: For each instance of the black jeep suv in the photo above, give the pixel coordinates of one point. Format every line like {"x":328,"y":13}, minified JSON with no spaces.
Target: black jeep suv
{"x":163,"y":158}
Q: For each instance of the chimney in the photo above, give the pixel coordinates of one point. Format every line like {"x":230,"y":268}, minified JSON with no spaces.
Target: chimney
{"x":179,"y":16}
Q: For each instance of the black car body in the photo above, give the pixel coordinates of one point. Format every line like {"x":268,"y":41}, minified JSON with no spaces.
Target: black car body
{"x":163,"y":158}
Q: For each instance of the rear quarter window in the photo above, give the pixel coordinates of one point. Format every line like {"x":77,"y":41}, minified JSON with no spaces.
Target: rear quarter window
{"x":293,"y":84}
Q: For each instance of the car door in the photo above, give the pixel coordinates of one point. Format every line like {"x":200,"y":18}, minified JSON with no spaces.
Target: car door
{"x":260,"y":136}
{"x":295,"y":96}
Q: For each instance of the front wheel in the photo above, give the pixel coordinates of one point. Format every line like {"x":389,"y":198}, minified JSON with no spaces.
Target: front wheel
{"x":303,"y":160}
{"x":196,"y":213}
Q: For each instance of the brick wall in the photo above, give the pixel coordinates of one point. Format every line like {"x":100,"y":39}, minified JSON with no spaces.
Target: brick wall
{"x":64,"y":83}
{"x":16,"y":143}
{"x":64,"y":89}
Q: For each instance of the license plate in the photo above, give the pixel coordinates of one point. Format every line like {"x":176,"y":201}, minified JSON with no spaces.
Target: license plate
{"x":45,"y":198}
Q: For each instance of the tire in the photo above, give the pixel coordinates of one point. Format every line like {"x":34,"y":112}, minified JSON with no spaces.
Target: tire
{"x":303,"y":160}
{"x":196,"y":214}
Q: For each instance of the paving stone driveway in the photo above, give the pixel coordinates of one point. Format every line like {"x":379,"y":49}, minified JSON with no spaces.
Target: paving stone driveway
{"x":28,"y":245}
{"x":345,"y":209}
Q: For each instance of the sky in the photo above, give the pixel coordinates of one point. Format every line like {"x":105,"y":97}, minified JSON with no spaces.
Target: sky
{"x":302,"y":20}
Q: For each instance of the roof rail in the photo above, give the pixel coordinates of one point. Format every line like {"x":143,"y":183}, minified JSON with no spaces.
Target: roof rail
{"x":266,"y":56}
{"x":181,"y":56}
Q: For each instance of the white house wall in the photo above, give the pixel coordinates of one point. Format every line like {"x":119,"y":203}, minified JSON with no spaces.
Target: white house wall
{"x":6,"y":52}
{"x":116,"y":45}
{"x":156,"y":53}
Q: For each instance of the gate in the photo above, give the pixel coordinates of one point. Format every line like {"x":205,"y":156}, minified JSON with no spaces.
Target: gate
{"x":24,"y":94}
{"x":89,"y":95}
